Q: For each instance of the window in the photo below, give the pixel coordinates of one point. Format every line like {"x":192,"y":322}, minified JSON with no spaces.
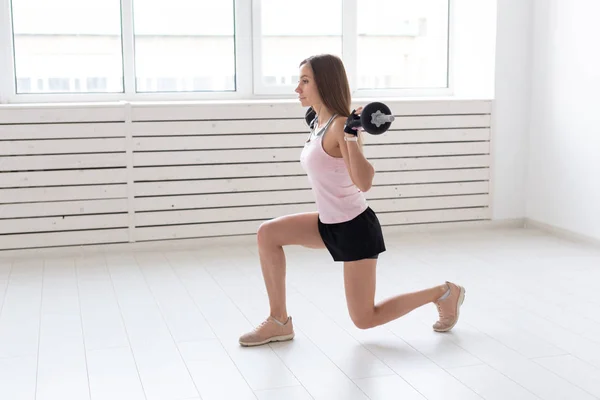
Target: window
{"x":24,"y":85}
{"x":402,"y":44}
{"x":66,"y":50}
{"x":386,"y":45}
{"x":61,"y":40}
{"x":96,"y":84}
{"x":187,"y":40}
{"x":288,"y":31}
{"x":58,"y":85}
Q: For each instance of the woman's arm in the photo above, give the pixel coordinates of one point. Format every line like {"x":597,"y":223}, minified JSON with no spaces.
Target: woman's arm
{"x":360,"y":169}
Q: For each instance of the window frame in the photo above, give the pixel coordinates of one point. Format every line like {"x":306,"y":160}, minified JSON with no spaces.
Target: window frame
{"x":7,"y":71}
{"x":247,"y":63}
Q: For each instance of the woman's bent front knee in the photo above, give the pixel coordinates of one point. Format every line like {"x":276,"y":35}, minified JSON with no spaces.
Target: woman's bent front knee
{"x":265,"y":235}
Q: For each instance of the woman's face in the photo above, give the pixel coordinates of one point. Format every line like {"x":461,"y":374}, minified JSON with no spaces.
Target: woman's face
{"x":308,"y":93}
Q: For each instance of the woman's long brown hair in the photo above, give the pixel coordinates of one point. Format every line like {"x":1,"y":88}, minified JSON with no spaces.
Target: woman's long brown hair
{"x":332,"y":83}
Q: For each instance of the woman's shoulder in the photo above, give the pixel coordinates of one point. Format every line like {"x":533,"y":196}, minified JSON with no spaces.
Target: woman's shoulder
{"x":337,"y":125}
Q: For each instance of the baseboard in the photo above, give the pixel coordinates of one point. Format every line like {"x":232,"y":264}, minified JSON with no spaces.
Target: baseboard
{"x":250,"y":240}
{"x":456,"y":226}
{"x":240,"y":240}
{"x":149,"y":246}
{"x":561,"y":232}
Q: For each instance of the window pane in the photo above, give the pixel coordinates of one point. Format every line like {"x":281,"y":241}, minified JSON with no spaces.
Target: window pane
{"x":293,"y":30}
{"x":184,"y":45}
{"x":402,"y":44}
{"x":60,"y":43}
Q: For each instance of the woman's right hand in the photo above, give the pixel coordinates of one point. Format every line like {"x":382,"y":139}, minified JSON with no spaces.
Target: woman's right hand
{"x":353,"y":124}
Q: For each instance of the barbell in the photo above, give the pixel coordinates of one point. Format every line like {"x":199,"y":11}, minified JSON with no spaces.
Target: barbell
{"x":375,"y":118}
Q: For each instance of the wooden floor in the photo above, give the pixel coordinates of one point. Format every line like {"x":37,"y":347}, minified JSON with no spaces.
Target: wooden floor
{"x":164,"y":325}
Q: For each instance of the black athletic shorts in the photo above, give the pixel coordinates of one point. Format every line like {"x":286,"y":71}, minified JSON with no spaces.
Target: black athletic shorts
{"x":354,"y":240}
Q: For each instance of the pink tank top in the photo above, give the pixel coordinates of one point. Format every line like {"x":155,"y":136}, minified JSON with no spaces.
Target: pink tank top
{"x":337,"y":198}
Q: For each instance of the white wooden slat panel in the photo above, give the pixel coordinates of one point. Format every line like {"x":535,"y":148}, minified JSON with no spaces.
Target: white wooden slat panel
{"x":264,"y":109}
{"x":302,"y":196}
{"x":250,"y":227}
{"x":195,"y":230}
{"x":239,"y":154}
{"x":249,"y":141}
{"x":273,"y":211}
{"x":429,"y":203}
{"x":66,"y":161}
{"x":220,"y":186}
{"x":224,"y":127}
{"x":66,"y":223}
{"x":215,"y":156}
{"x":56,"y":113}
{"x":222,"y":110}
{"x":294,"y":168}
{"x":293,"y":154}
{"x":62,"y":131}
{"x":72,"y":238}
{"x":63,"y":208}
{"x":429,"y":135}
{"x":422,"y":217}
{"x":301,"y":182}
{"x":219,"y":215}
{"x":437,"y":107}
{"x":428,"y":189}
{"x":222,"y":200}
{"x":425,"y":149}
{"x":295,"y":125}
{"x":74,"y":177}
{"x":449,"y":162}
{"x":412,"y":177}
{"x":217,"y":171}
{"x":442,"y":122}
{"x":61,"y":146}
{"x":61,"y":193}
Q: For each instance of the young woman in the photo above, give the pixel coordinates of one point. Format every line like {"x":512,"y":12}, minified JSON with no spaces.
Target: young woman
{"x":344,"y":224}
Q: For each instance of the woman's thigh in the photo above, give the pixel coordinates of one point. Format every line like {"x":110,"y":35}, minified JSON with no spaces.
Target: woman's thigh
{"x":296,"y":229}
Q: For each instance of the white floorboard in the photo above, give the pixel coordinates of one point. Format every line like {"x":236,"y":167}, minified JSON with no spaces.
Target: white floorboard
{"x":164,"y":325}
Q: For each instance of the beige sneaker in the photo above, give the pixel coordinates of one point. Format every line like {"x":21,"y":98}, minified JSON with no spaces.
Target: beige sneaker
{"x":449,"y":308}
{"x":269,"y":330}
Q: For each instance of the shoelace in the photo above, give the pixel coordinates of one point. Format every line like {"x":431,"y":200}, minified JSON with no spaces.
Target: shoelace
{"x":261,"y":325}
{"x":441,"y":313}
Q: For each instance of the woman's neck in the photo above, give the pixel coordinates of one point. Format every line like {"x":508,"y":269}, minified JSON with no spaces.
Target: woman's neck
{"x":323,"y":114}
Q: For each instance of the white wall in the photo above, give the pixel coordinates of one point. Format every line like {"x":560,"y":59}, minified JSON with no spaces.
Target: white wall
{"x":511,"y":108}
{"x":563,"y":178}
{"x":473,"y":33}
